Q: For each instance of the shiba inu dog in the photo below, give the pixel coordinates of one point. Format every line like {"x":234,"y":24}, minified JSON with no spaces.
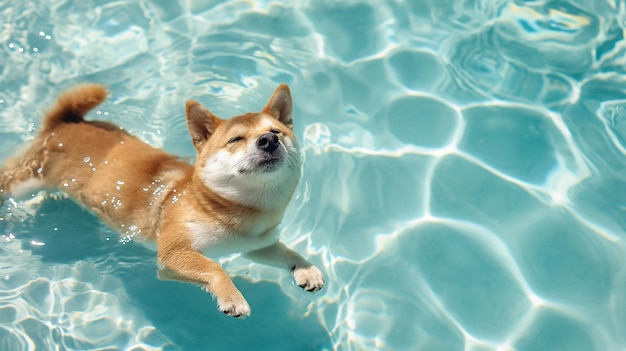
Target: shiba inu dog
{"x":231,"y":200}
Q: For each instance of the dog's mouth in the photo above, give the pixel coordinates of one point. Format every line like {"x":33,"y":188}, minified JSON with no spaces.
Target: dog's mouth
{"x":265,"y":165}
{"x":268,"y":164}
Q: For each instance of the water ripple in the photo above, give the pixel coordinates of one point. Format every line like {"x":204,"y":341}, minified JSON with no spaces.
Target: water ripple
{"x":72,"y":307}
{"x":464,"y":185}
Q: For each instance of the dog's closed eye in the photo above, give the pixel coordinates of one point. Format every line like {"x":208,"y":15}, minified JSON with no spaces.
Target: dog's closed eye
{"x":235,"y":139}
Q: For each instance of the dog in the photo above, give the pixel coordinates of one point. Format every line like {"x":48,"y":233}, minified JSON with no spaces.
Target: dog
{"x":231,"y":200}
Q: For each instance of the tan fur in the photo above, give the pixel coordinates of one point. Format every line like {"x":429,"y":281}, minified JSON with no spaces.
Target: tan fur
{"x":142,"y":191}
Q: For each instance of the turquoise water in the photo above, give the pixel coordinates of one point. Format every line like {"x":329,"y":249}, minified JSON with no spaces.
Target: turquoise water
{"x":464,"y":185}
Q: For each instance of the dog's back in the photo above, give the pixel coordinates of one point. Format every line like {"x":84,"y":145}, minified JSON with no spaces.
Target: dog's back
{"x":71,"y":154}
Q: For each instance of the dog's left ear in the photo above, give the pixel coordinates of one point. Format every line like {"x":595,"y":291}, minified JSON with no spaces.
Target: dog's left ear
{"x":200,"y":122}
{"x":279,"y":105}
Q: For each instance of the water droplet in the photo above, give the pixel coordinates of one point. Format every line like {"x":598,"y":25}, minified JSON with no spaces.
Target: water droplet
{"x":86,"y":159}
{"x":60,"y":144}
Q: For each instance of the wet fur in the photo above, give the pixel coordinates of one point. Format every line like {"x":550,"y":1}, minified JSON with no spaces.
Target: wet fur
{"x":231,"y":200}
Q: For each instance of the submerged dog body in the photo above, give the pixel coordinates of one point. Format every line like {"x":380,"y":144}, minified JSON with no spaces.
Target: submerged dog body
{"x":231,"y":200}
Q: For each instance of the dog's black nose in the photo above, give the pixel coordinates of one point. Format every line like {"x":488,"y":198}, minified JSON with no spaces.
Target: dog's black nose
{"x":267,"y":142}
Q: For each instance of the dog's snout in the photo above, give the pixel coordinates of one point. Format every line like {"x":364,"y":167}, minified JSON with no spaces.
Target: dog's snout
{"x":267,"y":142}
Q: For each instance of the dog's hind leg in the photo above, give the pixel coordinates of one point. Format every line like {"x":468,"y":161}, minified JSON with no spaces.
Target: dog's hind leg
{"x":22,"y":175}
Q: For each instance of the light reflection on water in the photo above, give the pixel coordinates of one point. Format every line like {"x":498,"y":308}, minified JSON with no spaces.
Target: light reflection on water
{"x":464,"y":184}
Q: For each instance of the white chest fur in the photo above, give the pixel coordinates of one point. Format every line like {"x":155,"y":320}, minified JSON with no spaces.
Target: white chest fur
{"x":216,"y":240}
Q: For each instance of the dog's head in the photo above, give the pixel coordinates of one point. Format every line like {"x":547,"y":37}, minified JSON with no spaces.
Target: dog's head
{"x":251,"y":159}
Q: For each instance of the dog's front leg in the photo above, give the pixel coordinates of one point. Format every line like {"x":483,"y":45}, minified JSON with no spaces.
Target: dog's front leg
{"x":306,"y":275}
{"x":185,"y":264}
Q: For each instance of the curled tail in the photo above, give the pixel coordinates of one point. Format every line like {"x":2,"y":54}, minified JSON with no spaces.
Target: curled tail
{"x":73,"y":104}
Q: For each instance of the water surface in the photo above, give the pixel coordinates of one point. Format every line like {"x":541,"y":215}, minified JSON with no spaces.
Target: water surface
{"x":464,"y":185}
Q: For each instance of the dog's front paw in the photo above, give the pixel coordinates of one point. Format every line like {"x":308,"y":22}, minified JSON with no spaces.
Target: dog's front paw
{"x":234,"y":306}
{"x":308,"y":278}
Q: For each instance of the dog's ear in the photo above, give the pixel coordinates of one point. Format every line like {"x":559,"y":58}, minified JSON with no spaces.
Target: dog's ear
{"x":200,"y":122}
{"x":279,"y":105}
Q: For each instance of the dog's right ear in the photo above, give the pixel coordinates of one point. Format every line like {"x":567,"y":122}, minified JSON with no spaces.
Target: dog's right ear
{"x":200,"y":122}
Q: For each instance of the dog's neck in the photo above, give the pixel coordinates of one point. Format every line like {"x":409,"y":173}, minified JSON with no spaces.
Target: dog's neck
{"x":266,"y":196}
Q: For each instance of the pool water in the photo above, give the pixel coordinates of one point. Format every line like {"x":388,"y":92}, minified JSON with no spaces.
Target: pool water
{"x":464,"y":185}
